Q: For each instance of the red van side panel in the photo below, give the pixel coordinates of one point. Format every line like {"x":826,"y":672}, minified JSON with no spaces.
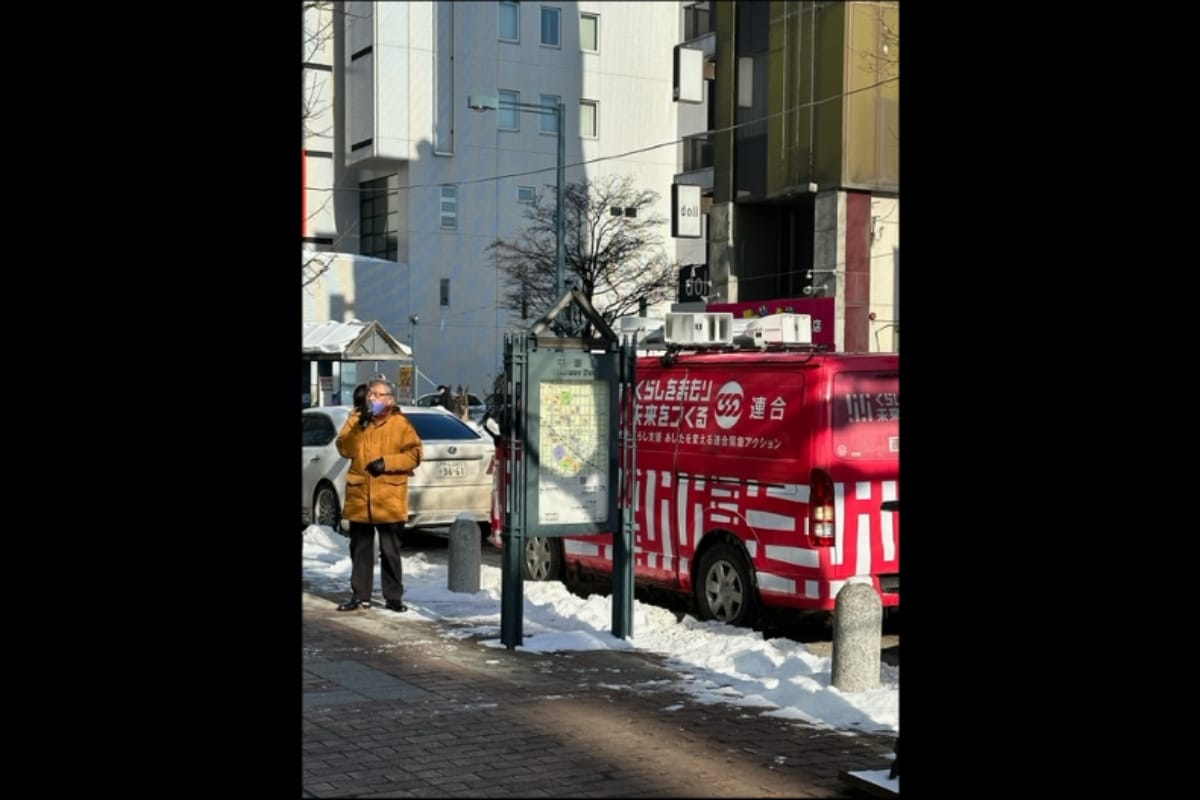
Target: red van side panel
{"x":728,"y":443}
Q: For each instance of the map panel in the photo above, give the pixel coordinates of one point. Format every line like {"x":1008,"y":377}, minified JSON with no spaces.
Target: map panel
{"x":573,"y":475}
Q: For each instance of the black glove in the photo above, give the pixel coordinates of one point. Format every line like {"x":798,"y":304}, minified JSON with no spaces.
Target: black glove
{"x":364,"y":418}
{"x":376,"y":467}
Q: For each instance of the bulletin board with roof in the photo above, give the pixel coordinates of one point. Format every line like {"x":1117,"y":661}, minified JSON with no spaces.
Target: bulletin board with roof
{"x":337,"y":356}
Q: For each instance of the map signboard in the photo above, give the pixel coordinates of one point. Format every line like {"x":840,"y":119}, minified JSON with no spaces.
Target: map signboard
{"x":573,"y":483}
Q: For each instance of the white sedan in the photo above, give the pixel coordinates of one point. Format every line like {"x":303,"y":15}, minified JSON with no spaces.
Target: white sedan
{"x":455,"y":474}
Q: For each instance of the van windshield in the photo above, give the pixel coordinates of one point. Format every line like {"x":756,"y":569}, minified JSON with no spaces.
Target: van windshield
{"x":866,"y":415}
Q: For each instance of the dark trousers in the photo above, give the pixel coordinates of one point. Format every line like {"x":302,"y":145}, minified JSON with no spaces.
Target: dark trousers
{"x":362,"y":560}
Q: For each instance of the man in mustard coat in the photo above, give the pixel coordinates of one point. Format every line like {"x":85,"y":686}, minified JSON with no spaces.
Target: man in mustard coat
{"x":384,"y":449}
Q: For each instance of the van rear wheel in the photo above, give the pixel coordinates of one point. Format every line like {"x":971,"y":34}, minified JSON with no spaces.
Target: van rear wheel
{"x":724,"y":589}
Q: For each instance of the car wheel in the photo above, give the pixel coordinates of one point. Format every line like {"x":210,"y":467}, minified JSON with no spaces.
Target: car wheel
{"x":543,"y":559}
{"x":724,"y":587}
{"x":326,"y":509}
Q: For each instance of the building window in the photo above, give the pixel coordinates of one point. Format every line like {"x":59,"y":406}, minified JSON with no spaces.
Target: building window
{"x":510,"y":22}
{"x":587,"y":119}
{"x":449,"y":208}
{"x":549,"y":123}
{"x":509,"y":118}
{"x":526,"y":194}
{"x":379,"y":218}
{"x":589,"y":33}
{"x":697,"y":20}
{"x":444,"y":292}
{"x":745,"y":82}
{"x":550,"y":26}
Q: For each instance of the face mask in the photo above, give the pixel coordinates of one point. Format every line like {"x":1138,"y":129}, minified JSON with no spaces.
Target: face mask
{"x":377,"y":407}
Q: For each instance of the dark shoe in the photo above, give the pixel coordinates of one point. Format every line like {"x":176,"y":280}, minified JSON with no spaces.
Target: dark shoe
{"x":394,"y":606}
{"x":354,"y":604}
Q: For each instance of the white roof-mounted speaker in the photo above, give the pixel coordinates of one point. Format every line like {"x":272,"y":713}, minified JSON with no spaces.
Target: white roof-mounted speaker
{"x":700,"y":328}
{"x":780,"y":329}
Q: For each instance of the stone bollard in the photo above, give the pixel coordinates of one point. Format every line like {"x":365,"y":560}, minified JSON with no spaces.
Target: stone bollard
{"x":857,"y":629}
{"x":463,"y":572}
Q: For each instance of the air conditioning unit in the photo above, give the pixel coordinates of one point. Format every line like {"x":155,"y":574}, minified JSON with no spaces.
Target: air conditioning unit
{"x":776,"y":329}
{"x":699,"y":328}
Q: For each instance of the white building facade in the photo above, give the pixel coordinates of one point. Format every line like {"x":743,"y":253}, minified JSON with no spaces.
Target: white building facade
{"x":398,"y":168}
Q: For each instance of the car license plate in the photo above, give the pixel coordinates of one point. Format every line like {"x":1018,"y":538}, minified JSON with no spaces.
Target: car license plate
{"x":451,"y":470}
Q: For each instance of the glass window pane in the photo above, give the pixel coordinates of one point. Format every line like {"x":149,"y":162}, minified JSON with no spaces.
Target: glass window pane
{"x":510,"y":16}
{"x":587,"y":119}
{"x":549,"y":122}
{"x":378,"y":213}
{"x":588,"y":26}
{"x":509,"y":117}
{"x":550,"y":26}
{"x":449,"y":208}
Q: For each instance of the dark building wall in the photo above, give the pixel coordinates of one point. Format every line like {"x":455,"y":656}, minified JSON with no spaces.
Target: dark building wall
{"x":805,"y":72}
{"x":856,"y":288}
{"x":811,"y":89}
{"x":774,"y":249}
{"x":871,"y":141}
{"x":723,"y":101}
{"x":824,"y":77}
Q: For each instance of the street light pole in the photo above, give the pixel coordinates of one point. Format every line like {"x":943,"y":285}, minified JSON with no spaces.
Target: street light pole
{"x":560,"y":257}
{"x":479,"y":102}
{"x":413,"y":319}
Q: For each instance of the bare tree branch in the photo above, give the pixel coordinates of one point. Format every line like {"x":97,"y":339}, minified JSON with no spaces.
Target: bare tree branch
{"x":617,"y":262}
{"x":886,"y":61}
{"x":321,"y":20}
{"x":315,"y":264}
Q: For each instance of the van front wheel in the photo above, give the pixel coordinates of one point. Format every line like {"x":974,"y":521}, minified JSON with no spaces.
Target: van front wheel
{"x":542,"y":559}
{"x":724,"y":590}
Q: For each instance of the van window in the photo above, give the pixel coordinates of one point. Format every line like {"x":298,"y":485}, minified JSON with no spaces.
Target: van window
{"x":866,"y":415}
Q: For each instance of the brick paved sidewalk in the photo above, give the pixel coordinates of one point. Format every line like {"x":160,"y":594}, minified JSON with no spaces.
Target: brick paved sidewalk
{"x":392,"y":708}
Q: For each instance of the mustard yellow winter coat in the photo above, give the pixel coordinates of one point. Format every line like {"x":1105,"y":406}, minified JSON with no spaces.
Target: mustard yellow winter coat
{"x":383,"y":497}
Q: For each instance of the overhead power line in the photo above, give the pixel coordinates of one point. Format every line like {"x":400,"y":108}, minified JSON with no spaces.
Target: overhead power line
{"x":599,"y":159}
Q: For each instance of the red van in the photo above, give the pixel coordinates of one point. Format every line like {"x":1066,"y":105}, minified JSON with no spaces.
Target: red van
{"x":760,"y":475}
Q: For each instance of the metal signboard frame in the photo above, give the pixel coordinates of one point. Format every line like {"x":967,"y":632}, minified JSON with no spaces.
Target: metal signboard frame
{"x":570,"y":452}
